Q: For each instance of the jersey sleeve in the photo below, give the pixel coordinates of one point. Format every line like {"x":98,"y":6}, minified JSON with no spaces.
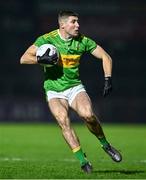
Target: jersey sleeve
{"x":40,"y":41}
{"x":90,"y":45}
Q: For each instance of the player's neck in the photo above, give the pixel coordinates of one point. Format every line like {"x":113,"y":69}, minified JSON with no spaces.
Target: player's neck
{"x":64,"y":36}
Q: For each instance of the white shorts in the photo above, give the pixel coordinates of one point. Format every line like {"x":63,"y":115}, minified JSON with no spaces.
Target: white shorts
{"x":68,"y":94}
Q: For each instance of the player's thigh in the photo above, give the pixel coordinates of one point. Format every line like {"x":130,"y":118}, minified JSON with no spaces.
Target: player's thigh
{"x":59,"y":108}
{"x":82,"y":105}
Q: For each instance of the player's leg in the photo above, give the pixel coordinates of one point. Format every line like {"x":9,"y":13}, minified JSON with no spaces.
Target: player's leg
{"x":59,"y":109}
{"x":83,"y":106}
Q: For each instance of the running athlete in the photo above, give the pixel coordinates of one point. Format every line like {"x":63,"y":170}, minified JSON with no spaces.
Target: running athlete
{"x":63,"y":87}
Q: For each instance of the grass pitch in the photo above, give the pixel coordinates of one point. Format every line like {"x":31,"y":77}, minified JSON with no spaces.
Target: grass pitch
{"x":38,"y":151}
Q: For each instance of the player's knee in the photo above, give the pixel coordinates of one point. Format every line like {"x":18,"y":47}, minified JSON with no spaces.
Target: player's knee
{"x":64,"y":126}
{"x":87,"y":115}
{"x":92,"y":120}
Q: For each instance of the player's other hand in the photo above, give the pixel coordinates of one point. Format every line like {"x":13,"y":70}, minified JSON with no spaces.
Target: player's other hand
{"x":107,"y":86}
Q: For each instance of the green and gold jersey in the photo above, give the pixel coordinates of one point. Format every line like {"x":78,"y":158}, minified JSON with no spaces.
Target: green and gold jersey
{"x":66,"y":73}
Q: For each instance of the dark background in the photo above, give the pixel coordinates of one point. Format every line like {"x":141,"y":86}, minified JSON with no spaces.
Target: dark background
{"x":118,"y":26}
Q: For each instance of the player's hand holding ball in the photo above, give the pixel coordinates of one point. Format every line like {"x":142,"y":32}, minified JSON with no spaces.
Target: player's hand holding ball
{"x":107,"y":86}
{"x":47,"y":55}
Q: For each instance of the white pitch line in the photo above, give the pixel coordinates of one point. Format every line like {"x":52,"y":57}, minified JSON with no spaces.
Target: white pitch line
{"x":143,"y":161}
{"x":11,"y":159}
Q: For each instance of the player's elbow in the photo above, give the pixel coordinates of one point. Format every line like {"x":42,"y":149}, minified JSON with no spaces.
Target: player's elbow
{"x":22,"y":61}
{"x":107,"y":58}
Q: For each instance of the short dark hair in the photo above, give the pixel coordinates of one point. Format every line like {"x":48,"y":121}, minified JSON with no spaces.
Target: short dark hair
{"x":66,"y":13}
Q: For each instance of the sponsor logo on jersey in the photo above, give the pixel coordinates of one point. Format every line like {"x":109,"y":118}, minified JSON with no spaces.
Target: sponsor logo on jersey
{"x":70,"y":60}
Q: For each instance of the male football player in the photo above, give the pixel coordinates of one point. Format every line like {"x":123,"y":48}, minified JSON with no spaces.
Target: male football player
{"x":63,"y":87}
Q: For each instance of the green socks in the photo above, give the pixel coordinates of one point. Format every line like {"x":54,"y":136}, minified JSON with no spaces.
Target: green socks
{"x":103,"y":141}
{"x":80,"y":155}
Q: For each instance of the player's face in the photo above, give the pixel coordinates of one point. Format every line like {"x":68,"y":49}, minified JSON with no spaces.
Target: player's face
{"x":71,"y":26}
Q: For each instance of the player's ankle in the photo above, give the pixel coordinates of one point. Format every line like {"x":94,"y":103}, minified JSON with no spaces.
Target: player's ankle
{"x":103,"y":142}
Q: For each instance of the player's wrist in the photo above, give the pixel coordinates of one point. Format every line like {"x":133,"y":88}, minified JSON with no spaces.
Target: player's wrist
{"x":37,"y":59}
{"x":108,"y":77}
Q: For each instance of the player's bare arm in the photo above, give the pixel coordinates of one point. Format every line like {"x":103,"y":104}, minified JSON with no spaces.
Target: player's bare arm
{"x":29,"y":57}
{"x":100,"y":53}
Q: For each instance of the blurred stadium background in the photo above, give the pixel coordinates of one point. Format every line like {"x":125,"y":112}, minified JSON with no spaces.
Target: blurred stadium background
{"x":118,"y":26}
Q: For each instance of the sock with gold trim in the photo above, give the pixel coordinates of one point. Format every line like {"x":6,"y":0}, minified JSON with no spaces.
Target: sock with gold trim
{"x":80,"y":155}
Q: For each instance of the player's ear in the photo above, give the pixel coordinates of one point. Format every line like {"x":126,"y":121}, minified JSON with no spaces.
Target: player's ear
{"x":61,"y":24}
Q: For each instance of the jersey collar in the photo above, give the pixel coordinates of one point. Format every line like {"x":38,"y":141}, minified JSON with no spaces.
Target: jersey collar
{"x":66,"y":40}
